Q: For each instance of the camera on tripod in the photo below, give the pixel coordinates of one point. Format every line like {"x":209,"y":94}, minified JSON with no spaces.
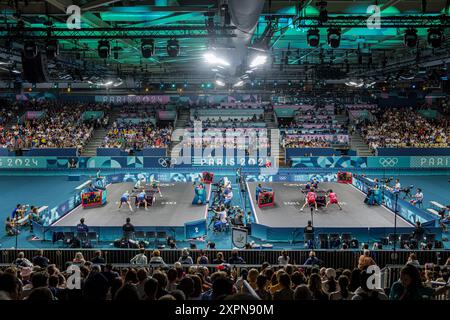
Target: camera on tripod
{"x":407,"y":191}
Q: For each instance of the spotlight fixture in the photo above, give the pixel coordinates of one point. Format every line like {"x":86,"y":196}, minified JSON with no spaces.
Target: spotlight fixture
{"x":30,"y":49}
{"x":104,"y":49}
{"x":435,"y":37}
{"x":258,"y":60}
{"x":52,"y":48}
{"x":211,"y":58}
{"x":313,"y":37}
{"x":410,"y":38}
{"x":334,"y":37}
{"x":240,"y":83}
{"x":220,"y":83}
{"x":173,"y":48}
{"x":147,"y":48}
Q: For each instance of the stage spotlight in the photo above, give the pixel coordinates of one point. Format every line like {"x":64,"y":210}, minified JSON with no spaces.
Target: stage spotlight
{"x":334,"y":37}
{"x":52,"y":48}
{"x":30,"y":49}
{"x":104,"y":49}
{"x":435,"y":37}
{"x":173,"y":48}
{"x":211,"y":58}
{"x":411,"y":38}
{"x":147,"y":48}
{"x":313,"y":37}
{"x":258,"y":60}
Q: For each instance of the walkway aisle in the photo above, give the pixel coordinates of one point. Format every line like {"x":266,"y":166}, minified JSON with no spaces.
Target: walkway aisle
{"x":223,"y":239}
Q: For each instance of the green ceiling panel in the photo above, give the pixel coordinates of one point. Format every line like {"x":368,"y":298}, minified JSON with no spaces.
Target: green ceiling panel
{"x":288,"y":10}
{"x":392,"y":10}
{"x":360,"y":9}
{"x":131,"y":16}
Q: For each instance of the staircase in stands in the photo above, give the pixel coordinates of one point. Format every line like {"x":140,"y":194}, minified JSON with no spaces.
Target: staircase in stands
{"x":90,"y":149}
{"x":271,"y":123}
{"x":358,"y":144}
{"x":181,"y":123}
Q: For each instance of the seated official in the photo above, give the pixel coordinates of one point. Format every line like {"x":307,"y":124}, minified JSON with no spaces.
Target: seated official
{"x":98,"y":176}
{"x":260,"y":189}
{"x":239,"y":219}
{"x":35,"y":216}
{"x":18,"y":212}
{"x":92,"y":188}
{"x":221,"y":218}
{"x":10,"y":228}
{"x":444,"y":218}
{"x":228,"y":194}
{"x":199,"y":194}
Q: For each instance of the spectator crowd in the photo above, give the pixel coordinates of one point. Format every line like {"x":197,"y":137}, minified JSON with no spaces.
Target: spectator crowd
{"x":153,"y":279}
{"x":57,"y":126}
{"x":404,"y":127}
{"x":137,"y":136}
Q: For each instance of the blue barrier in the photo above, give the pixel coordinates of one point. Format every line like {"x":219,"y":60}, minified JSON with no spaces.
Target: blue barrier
{"x":111,"y":152}
{"x":116,"y":152}
{"x":4,"y":152}
{"x":413,"y":151}
{"x":114,"y":233}
{"x":138,"y":162}
{"x":296,"y":234}
{"x":154,"y":152}
{"x":48,"y":152}
{"x":394,"y":202}
{"x":314,"y":152}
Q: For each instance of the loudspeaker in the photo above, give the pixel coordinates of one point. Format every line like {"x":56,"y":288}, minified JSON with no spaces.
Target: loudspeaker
{"x":35,"y":69}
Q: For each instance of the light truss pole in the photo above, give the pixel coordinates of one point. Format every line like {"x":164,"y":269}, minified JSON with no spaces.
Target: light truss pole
{"x":167,"y":32}
{"x":358,"y":21}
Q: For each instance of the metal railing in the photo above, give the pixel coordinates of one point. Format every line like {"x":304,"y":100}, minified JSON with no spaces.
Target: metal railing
{"x":347,"y":259}
{"x":391,"y":274}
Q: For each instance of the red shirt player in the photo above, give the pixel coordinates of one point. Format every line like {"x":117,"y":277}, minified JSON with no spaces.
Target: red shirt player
{"x":310,"y":199}
{"x":332,"y":199}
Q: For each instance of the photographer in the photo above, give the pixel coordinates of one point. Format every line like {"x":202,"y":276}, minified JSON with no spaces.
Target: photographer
{"x":418,"y":198}
{"x":397,"y":186}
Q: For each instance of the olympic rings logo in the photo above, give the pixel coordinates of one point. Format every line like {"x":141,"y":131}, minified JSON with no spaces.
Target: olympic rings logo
{"x":166,"y":162}
{"x":388,"y":162}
